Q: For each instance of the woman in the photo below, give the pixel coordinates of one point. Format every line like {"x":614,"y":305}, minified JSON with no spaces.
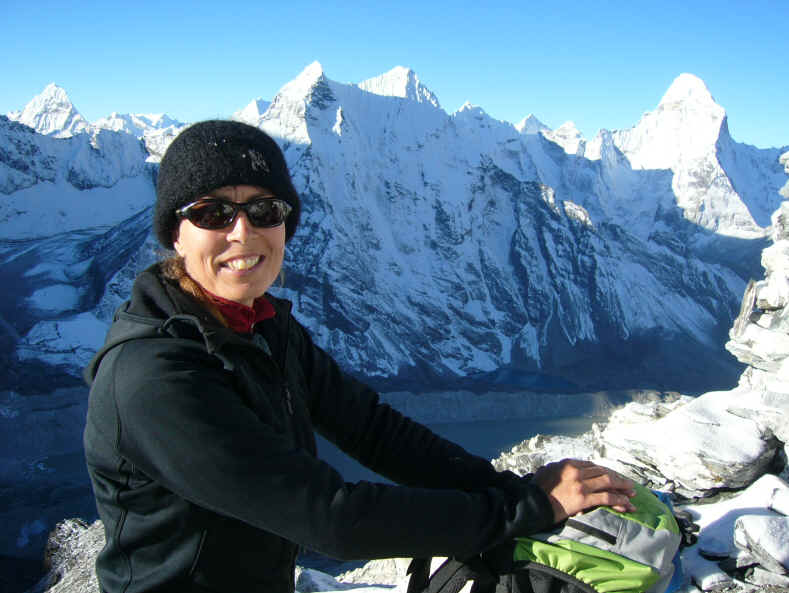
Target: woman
{"x":205,"y":398}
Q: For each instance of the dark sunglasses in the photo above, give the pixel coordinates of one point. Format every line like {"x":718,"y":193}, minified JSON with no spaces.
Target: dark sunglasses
{"x":217,"y":213}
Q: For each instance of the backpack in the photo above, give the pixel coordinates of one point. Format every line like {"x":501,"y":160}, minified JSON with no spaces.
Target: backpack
{"x":599,"y":551}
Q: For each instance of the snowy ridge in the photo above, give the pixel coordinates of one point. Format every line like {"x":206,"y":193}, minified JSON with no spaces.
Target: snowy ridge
{"x":438,"y":248}
{"x":400,"y":82}
{"x":155,"y":130}
{"x":252,"y":113}
{"x":51,"y":113}
{"x":568,"y":137}
{"x":55,"y":185}
{"x":687,"y":135}
{"x":136,"y":124}
{"x":531,"y":125}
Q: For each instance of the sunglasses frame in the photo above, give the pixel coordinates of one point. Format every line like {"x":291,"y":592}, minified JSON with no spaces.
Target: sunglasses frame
{"x":183,"y":212}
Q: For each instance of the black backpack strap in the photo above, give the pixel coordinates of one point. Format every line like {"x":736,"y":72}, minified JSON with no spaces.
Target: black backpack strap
{"x":687,"y":528}
{"x":451,"y":576}
{"x":419,"y":569}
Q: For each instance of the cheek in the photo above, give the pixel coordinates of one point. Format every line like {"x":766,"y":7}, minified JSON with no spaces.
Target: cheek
{"x":177,"y":240}
{"x":198,"y":250}
{"x":276,"y":241}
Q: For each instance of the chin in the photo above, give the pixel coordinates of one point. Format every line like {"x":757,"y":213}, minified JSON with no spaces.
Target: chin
{"x":246,"y":297}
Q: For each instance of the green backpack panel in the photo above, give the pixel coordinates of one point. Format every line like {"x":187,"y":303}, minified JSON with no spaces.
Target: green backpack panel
{"x":609,"y":551}
{"x":600,"y":551}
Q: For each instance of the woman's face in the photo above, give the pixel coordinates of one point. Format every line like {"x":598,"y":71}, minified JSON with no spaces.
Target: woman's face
{"x":238,"y":262}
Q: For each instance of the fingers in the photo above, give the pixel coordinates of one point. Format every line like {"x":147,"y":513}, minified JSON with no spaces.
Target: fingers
{"x":608,"y":480}
{"x":618,"y":501}
{"x":574,"y":486}
{"x":599,"y":477}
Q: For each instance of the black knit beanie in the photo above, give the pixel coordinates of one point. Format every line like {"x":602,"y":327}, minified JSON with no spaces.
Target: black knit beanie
{"x":213,"y":154}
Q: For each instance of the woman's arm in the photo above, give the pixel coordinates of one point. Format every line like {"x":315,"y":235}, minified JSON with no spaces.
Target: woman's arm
{"x":349,"y":414}
{"x":184,"y":426}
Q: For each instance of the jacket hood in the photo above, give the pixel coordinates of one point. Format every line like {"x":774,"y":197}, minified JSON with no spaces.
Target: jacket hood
{"x":158,"y":308}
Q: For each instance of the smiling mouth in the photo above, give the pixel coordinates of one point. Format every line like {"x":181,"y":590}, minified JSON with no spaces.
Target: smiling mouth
{"x":242,"y":263}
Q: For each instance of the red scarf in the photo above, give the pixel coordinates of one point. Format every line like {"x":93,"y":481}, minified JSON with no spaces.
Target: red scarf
{"x":241,"y":318}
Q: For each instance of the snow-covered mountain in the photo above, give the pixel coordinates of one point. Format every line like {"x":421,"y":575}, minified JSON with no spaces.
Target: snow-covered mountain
{"x":252,"y":113}
{"x":400,"y":82}
{"x":51,"y":113}
{"x":435,"y":248}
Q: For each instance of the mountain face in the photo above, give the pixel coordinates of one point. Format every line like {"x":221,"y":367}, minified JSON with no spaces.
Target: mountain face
{"x":435,"y":249}
{"x":252,"y":113}
{"x":52,"y":114}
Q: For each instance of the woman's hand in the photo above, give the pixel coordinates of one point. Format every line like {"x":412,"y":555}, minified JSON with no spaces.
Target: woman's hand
{"x":574,"y":486}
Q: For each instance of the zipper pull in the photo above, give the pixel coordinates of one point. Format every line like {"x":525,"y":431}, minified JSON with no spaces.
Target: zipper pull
{"x":288,"y":400}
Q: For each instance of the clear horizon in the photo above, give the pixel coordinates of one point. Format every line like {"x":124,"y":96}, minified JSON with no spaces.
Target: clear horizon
{"x":600,"y":66}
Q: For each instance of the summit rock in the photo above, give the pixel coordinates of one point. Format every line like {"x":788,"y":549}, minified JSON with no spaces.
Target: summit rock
{"x":400,"y":82}
{"x":51,"y":113}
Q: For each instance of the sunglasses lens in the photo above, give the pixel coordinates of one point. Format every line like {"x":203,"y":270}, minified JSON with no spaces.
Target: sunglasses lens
{"x":210,"y":214}
{"x":268,"y":212}
{"x":215,"y":214}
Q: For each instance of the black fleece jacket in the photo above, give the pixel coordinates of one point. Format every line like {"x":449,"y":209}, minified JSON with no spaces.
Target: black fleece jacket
{"x":200,"y":446}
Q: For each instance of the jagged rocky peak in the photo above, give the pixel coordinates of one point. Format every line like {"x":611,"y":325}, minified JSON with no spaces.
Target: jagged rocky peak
{"x":568,"y":136}
{"x":400,"y":82}
{"x":531,"y":125}
{"x":688,"y":88}
{"x":52,"y":113}
{"x":469,"y":109}
{"x":136,"y":123}
{"x":253,"y":112}
{"x":311,"y":76}
{"x":688,"y":113}
{"x":310,"y":87}
{"x":156,"y":130}
{"x":688,"y":110}
{"x":297,"y":104}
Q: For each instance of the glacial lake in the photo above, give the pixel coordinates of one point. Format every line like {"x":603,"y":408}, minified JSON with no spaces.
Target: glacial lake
{"x":486,"y":438}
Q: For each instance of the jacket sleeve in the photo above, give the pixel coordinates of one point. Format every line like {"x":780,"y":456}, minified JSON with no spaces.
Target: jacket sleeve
{"x":349,"y":414}
{"x":183,"y":425}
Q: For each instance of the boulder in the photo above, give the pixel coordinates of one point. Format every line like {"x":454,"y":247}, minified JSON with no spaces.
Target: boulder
{"x":70,"y":558}
{"x":765,"y":537}
{"x":696,"y":448}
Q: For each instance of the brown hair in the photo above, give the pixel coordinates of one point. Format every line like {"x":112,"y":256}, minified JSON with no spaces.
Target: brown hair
{"x":173,"y":268}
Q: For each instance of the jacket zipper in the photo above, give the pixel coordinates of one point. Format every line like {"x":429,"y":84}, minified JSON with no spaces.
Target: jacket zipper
{"x":261,"y":342}
{"x":288,"y":396}
{"x":288,"y":399}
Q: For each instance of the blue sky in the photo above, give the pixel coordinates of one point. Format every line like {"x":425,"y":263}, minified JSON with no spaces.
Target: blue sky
{"x":601,"y":64}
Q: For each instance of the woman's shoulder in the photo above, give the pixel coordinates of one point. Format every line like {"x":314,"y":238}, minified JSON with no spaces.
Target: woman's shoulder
{"x":152,"y":358}
{"x":282,"y":306}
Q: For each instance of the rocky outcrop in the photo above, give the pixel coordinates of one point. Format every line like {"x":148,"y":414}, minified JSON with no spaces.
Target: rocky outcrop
{"x":714,"y":445}
{"x":73,"y":545}
{"x":70,"y":556}
{"x":722,"y":439}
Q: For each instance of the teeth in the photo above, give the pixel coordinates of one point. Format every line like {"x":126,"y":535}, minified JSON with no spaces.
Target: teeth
{"x":242,"y":263}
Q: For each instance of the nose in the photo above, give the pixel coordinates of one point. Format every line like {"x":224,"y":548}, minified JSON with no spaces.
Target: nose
{"x":240,"y":229}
